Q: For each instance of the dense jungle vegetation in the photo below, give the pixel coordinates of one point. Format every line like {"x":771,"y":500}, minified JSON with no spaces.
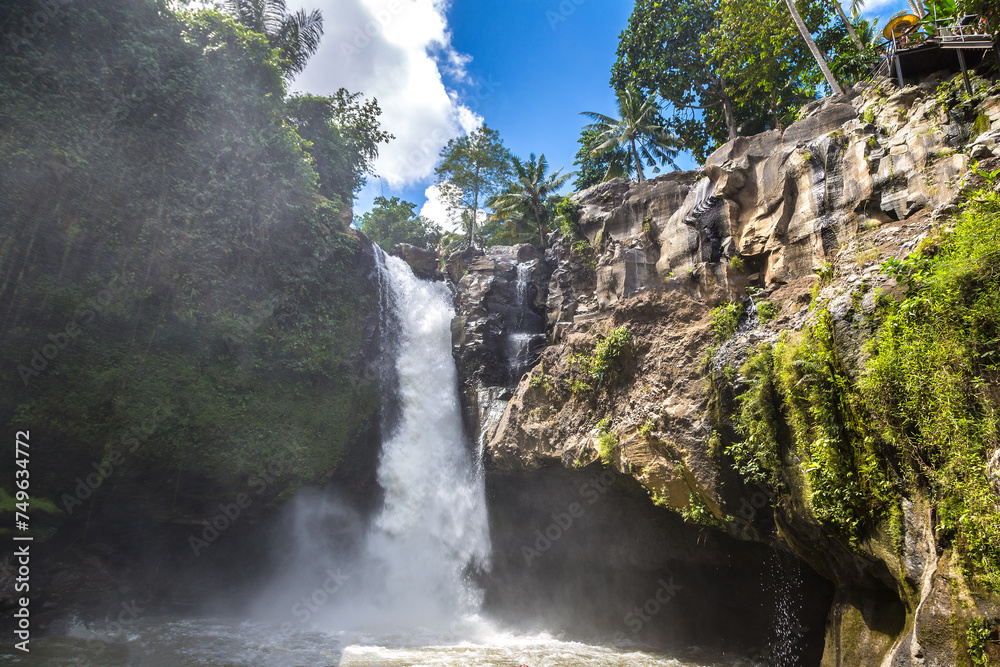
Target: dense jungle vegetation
{"x":179,"y":296}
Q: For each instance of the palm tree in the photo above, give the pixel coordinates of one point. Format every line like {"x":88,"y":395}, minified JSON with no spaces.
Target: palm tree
{"x":295,"y":36}
{"x":850,"y":26}
{"x":636,"y":131}
{"x":820,"y":60}
{"x":529,"y":192}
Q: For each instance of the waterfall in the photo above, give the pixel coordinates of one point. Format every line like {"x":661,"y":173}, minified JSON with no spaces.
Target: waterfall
{"x":433,"y":525}
{"x":524,"y":337}
{"x":409,"y":567}
{"x":523,"y":280}
{"x":787,"y":636}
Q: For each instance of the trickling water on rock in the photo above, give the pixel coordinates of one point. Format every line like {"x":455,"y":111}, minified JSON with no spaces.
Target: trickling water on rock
{"x":525,"y":337}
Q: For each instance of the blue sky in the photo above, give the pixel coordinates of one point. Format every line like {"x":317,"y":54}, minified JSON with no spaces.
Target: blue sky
{"x":526,"y":67}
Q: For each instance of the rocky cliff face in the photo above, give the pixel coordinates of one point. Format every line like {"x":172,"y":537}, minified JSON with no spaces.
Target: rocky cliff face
{"x":804,"y":221}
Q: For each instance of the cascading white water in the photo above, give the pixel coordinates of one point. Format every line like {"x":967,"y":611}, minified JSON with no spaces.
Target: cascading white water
{"x":408,"y":568}
{"x":523,"y":280}
{"x":433,"y":525}
{"x":519,"y":343}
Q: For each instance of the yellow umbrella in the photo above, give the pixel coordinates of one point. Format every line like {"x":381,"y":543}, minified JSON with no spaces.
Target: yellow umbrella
{"x":899,"y":25}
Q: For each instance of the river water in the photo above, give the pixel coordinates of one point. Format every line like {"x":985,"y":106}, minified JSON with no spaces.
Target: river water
{"x":402,"y":591}
{"x":215,"y":643}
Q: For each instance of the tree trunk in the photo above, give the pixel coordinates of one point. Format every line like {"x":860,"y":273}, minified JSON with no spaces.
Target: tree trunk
{"x":538,"y":221}
{"x":820,"y":60}
{"x":475,"y":210}
{"x":638,"y":162}
{"x":848,"y":24}
{"x":727,"y":110}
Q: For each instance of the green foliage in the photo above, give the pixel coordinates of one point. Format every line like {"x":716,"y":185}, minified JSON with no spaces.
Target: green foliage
{"x":604,"y":366}
{"x":567,"y":216}
{"x":541,"y":381}
{"x":849,"y":483}
{"x":698,"y":513}
{"x":342,"y":135}
{"x":530,"y":195}
{"x":725,"y":68}
{"x":931,"y":379}
{"x":726,"y":318}
{"x":661,"y":52}
{"x":758,"y":419}
{"x":646,"y":430}
{"x":940,"y":9}
{"x":766,"y":311}
{"x":155,"y":167}
{"x":825,"y":274}
{"x":799,"y":396}
{"x":978,"y":637}
{"x":294,"y":37}
{"x":754,"y":46}
{"x":473,"y":168}
{"x":638,"y":132}
{"x":607,"y":445}
{"x":736,"y":263}
{"x":604,"y":426}
{"x":851,"y":62}
{"x":981,"y":125}
{"x":393,"y":221}
{"x":596,"y":168}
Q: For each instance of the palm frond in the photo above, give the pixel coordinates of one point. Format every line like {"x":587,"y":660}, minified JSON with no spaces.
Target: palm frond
{"x":599,"y":117}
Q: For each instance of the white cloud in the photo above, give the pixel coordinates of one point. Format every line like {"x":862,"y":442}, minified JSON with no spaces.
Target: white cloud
{"x":397,"y":51}
{"x":436,"y":210}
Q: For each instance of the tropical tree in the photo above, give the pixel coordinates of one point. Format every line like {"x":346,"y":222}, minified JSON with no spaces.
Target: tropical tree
{"x":754,"y":46}
{"x":295,"y":36}
{"x":639,"y":131}
{"x":848,"y":23}
{"x":661,"y":52}
{"x":529,"y":193}
{"x":343,"y":136}
{"x":800,"y":25}
{"x":393,"y":221}
{"x":855,"y":63}
{"x":472,"y":169}
{"x":613,"y":163}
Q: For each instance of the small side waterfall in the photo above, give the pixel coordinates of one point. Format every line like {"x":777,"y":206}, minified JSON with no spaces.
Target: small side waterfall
{"x":787,"y":638}
{"x":525,"y":337}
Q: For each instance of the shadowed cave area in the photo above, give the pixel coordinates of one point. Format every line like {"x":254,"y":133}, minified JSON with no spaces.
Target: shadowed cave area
{"x":584,"y":553}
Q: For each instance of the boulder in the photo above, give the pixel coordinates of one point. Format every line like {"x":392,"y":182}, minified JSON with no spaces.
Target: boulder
{"x":830,"y":118}
{"x":423,"y":261}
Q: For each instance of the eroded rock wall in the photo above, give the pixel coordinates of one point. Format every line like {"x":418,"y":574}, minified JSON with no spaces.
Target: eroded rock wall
{"x":796,"y":217}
